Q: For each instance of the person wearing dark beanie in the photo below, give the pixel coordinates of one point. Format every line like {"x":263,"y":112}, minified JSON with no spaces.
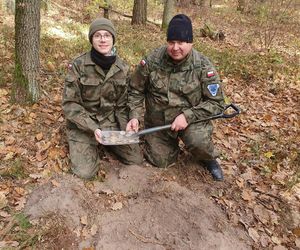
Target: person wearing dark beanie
{"x":180,"y":29}
{"x":180,"y":87}
{"x":95,"y":99}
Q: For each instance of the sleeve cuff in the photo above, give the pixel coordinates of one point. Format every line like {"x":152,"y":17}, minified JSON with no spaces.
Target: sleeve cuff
{"x":189,"y":115}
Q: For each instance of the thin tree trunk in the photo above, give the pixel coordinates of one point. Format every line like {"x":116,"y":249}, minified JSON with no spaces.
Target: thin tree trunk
{"x":139,"y":14}
{"x":168,"y":13}
{"x":27,"y":45}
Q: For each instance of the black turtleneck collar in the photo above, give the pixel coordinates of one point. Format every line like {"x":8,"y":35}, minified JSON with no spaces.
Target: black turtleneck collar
{"x":101,"y":60}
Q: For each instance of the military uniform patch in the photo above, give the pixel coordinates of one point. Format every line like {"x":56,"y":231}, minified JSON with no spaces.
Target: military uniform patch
{"x":213,"y":88}
{"x":210,"y":73}
{"x":69,"y":66}
{"x":143,"y":62}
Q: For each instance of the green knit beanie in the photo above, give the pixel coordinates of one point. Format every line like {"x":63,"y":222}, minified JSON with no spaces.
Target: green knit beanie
{"x":102,"y":24}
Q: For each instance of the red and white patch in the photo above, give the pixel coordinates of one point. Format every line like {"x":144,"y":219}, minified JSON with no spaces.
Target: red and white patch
{"x":69,"y":66}
{"x":210,"y":73}
{"x":143,"y":62}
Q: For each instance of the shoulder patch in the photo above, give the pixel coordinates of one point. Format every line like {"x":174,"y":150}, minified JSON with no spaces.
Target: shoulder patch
{"x":210,"y":73}
{"x":143,"y":62}
{"x":213,"y":88}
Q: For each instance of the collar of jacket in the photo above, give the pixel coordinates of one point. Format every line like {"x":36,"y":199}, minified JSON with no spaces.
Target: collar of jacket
{"x":88,"y":61}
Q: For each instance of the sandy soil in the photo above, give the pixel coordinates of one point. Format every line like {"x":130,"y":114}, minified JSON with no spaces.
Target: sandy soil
{"x":135,"y":207}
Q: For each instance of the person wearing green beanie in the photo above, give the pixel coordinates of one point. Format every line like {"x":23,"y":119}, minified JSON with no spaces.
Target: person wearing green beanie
{"x":95,"y":99}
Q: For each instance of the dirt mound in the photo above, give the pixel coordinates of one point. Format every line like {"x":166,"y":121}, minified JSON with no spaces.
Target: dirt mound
{"x":134,"y":208}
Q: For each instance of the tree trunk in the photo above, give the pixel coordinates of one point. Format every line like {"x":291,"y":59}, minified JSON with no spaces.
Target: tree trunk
{"x":139,"y":14}
{"x":27,"y":46}
{"x":168,"y":13}
{"x":107,"y":6}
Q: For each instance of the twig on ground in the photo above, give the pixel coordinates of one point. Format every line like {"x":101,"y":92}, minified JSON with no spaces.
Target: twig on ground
{"x":145,"y":240}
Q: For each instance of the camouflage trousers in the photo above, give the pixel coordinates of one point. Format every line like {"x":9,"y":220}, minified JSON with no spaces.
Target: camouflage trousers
{"x":85,"y":153}
{"x":161,"y":148}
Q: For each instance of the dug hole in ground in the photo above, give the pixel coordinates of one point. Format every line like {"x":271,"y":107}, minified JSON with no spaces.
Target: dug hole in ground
{"x":136,"y":207}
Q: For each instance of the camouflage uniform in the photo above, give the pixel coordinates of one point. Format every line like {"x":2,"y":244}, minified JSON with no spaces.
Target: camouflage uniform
{"x":170,"y":90}
{"x":91,"y":100}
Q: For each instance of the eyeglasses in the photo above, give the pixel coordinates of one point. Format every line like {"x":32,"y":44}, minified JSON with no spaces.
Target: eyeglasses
{"x":104,"y":37}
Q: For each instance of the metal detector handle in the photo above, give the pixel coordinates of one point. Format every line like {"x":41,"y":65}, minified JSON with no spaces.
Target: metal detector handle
{"x":223,"y":115}
{"x":154,"y":129}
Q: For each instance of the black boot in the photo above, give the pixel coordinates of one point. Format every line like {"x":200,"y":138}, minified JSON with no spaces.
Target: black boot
{"x":214,"y":168}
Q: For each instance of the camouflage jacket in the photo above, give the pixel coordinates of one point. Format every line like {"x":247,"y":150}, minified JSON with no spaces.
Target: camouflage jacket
{"x":191,"y":87}
{"x":92,"y":99}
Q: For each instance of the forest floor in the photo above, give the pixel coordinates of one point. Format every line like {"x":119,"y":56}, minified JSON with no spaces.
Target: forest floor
{"x":44,"y":206}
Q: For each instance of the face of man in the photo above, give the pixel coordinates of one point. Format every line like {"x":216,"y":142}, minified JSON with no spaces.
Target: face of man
{"x":178,"y":50}
{"x":103,"y":42}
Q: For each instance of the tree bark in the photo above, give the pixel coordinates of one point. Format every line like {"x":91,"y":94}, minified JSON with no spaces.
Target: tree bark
{"x":139,"y":14}
{"x":27,"y":46}
{"x":168,"y":13}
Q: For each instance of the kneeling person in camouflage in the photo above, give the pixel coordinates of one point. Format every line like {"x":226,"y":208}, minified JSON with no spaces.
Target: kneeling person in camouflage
{"x":179,"y":86}
{"x":95,"y":98}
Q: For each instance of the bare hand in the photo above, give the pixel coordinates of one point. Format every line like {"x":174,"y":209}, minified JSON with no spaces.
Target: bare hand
{"x":179,"y":123}
{"x":133,"y":125}
{"x":98,"y":136}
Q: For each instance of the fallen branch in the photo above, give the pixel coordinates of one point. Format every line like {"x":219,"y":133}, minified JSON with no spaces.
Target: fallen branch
{"x":145,"y":240}
{"x":12,"y":222}
{"x":105,"y":8}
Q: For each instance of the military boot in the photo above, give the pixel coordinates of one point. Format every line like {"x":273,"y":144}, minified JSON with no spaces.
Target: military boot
{"x":214,"y":168}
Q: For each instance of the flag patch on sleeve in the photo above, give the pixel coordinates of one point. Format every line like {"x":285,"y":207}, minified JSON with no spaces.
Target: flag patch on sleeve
{"x":143,"y":62}
{"x":213,"y":88}
{"x":210,"y":73}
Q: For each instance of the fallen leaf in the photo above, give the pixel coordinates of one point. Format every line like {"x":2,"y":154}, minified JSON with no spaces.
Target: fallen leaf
{"x":297,"y":242}
{"x":9,"y":156}
{"x":85,"y":232}
{"x":3,"y":92}
{"x":280,"y":248}
{"x":4,"y":214}
{"x":20,"y":204}
{"x":296,"y":231}
{"x":3,"y":200}
{"x":35,"y":176}
{"x":261,"y":214}
{"x":20,"y":191}
{"x":8,"y":244}
{"x":50,"y":66}
{"x":253,"y":234}
{"x":39,"y":136}
{"x":269,"y":154}
{"x":106,"y":191}
{"x":84,"y":220}
{"x":276,"y":240}
{"x":117,"y":206}
{"x":94,"y":229}
{"x":247,"y":195}
{"x":55,"y":183}
{"x":10,"y":140}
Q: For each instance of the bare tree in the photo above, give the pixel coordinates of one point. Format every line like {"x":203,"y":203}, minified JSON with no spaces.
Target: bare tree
{"x":139,"y":14}
{"x":168,"y":13}
{"x":27,"y":45}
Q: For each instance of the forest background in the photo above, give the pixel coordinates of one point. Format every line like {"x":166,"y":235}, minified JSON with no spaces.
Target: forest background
{"x":255,"y":46}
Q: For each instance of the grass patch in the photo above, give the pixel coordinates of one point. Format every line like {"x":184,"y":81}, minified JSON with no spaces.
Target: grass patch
{"x":14,"y":171}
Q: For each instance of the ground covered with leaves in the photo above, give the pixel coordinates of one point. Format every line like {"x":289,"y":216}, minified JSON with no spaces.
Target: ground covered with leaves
{"x":43,"y":205}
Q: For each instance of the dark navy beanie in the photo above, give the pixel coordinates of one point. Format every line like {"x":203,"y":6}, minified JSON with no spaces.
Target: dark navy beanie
{"x":180,"y":29}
